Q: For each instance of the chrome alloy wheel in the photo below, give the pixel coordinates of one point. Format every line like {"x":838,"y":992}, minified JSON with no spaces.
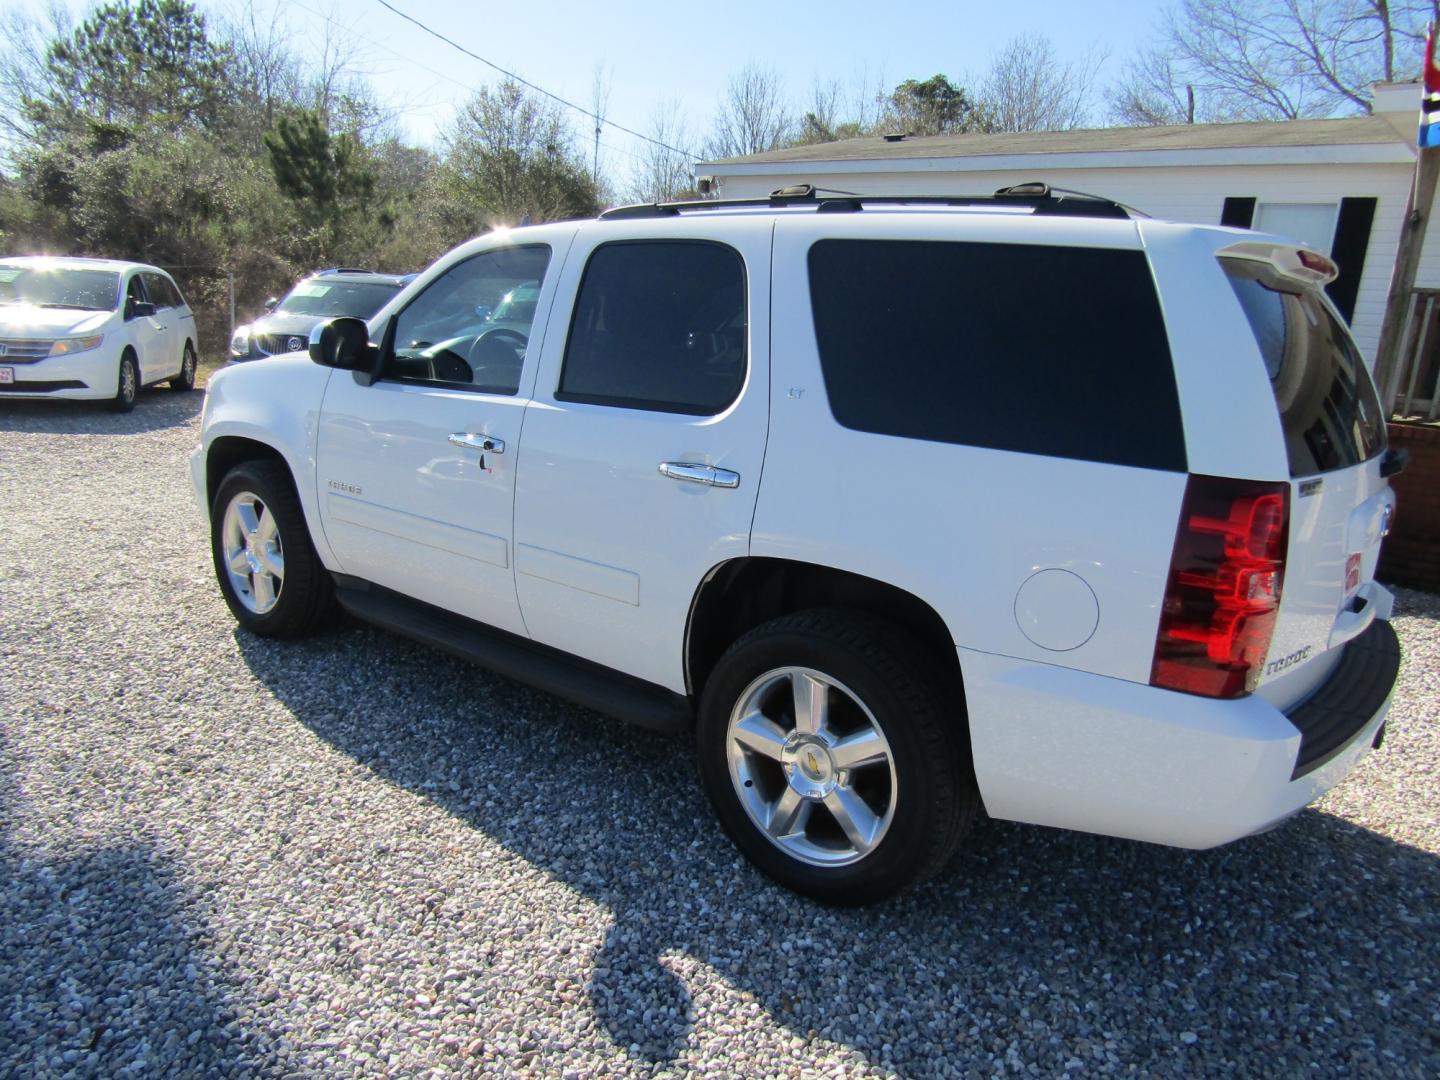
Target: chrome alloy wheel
{"x":253,"y":554}
{"x":811,"y":766}
{"x":129,"y":382}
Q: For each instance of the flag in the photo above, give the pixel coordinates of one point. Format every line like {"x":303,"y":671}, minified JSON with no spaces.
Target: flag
{"x":1430,"y":96}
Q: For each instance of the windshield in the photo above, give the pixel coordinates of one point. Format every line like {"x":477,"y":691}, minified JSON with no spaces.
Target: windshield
{"x":62,"y":287}
{"x":517,"y":305}
{"x":359,"y":299}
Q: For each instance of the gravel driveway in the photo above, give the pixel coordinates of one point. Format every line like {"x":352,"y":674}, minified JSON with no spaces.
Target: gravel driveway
{"x":354,"y":856}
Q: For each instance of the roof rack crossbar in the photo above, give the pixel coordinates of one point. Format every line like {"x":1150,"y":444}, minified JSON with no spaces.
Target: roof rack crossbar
{"x":1040,"y":197}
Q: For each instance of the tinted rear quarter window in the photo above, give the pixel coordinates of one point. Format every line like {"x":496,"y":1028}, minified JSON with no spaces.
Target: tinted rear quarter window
{"x":1047,"y":350}
{"x":1328,"y":407}
{"x":658,"y":325}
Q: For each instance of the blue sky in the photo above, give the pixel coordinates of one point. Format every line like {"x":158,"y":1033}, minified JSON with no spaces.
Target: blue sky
{"x":685,"y":52}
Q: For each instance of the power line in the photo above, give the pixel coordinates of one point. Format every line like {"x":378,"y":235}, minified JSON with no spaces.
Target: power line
{"x":526,"y":82}
{"x":441,"y":75}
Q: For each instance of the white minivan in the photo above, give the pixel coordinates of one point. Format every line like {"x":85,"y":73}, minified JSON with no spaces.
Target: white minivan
{"x":91,"y":329}
{"x":902,"y":507}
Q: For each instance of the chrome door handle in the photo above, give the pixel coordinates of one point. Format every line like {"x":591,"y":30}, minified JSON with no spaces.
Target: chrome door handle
{"x":700,"y":474}
{"x":486,"y":444}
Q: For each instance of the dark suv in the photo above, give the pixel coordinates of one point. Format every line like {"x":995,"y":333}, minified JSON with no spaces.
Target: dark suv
{"x":285,"y":327}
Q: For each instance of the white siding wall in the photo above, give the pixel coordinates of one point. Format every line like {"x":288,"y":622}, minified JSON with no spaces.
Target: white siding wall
{"x":1180,"y":193}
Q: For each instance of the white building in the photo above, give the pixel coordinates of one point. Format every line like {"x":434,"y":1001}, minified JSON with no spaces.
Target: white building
{"x":1339,"y":185}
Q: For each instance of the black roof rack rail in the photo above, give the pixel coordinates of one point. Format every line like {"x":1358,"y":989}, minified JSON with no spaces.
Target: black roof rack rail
{"x":1039,"y":196}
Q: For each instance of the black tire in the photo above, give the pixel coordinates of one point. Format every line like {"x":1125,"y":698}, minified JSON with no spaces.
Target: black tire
{"x":128,"y":384}
{"x":304,"y":600}
{"x":881,"y":667}
{"x":186,"y":379}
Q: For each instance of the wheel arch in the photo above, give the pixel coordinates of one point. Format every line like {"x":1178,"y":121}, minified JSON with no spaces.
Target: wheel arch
{"x":227,"y":451}
{"x":231,"y":448}
{"x":740,"y":594}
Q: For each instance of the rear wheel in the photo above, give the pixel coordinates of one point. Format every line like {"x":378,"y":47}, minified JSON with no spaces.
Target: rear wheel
{"x":127,"y":387}
{"x":269,"y":574}
{"x":826,"y":750}
{"x":186,"y":379}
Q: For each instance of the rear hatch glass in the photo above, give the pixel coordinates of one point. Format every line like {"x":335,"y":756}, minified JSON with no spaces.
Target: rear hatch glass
{"x":1328,"y":406}
{"x":1339,"y":504}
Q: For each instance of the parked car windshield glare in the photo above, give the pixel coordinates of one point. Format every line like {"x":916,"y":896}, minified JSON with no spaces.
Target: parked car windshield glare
{"x":517,"y":305}
{"x":357,"y":299}
{"x":88,"y":290}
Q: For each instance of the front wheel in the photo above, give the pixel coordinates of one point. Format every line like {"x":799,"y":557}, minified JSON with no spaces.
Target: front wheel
{"x":269,"y":574}
{"x":826,"y":751}
{"x":127,"y":387}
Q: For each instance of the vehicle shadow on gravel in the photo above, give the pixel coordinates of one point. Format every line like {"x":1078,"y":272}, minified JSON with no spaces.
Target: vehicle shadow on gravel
{"x":155,"y":410}
{"x":1103,"y":951}
{"x":100,"y":931}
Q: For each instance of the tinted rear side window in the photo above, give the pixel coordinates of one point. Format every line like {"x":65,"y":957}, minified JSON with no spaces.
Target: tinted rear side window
{"x":1041,"y":350}
{"x":658,"y":325}
{"x":1328,"y":406}
{"x":161,"y":292}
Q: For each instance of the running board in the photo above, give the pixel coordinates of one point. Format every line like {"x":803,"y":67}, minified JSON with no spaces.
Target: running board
{"x":591,"y":685}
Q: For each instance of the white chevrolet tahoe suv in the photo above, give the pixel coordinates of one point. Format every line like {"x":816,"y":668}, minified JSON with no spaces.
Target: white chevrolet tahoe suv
{"x":904,"y":507}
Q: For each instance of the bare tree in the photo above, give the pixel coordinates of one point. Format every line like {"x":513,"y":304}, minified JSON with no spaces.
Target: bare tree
{"x":1271,"y":59}
{"x":600,"y":107}
{"x":1029,"y":89}
{"x":1154,"y":91}
{"x":867,"y":98}
{"x":329,"y":79}
{"x":821,"y":120}
{"x":665,"y":169}
{"x":843,"y":110}
{"x":23,"y":65}
{"x":752,"y":116}
{"x":268,"y":70}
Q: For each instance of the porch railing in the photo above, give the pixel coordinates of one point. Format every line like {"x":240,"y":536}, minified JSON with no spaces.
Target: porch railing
{"x":1412,"y":388}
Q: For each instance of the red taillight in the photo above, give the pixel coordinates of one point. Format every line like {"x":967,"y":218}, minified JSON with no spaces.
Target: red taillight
{"x":1224,"y":588}
{"x":1352,"y":572}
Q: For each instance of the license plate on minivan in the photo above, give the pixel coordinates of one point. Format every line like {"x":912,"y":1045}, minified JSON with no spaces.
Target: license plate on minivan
{"x":7,"y":375}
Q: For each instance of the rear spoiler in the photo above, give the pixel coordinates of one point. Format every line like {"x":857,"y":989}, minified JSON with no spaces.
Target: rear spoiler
{"x":1300,"y":264}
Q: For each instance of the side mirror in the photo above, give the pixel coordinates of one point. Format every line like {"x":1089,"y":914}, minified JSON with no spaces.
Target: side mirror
{"x":270,"y":303}
{"x":342,"y":343}
{"x":139,"y":309}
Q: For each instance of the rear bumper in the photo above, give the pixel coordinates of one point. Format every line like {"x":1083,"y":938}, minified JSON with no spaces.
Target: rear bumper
{"x":1059,"y":747}
{"x":1331,"y":718}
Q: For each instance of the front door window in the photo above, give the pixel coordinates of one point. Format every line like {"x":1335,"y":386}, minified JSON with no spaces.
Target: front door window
{"x":471,"y":327}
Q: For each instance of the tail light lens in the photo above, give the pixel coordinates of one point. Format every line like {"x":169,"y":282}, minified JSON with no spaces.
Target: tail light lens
{"x":1224,"y":588}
